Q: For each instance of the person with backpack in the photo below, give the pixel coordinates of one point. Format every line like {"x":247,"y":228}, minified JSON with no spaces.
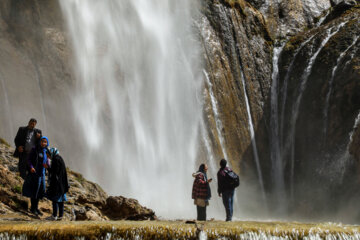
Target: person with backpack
{"x":58,"y":184}
{"x":227,"y":182}
{"x":201,"y":192}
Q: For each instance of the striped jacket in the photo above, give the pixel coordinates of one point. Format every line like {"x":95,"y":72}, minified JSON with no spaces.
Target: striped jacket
{"x":200,"y":187}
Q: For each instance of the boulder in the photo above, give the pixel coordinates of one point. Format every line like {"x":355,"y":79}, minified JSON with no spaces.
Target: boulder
{"x":117,"y":208}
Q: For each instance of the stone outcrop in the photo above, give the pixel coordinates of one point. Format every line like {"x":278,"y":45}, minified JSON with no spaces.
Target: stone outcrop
{"x":86,"y":200}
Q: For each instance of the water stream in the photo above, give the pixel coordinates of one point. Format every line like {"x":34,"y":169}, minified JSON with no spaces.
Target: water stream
{"x":7,"y":107}
{"x":328,"y":95}
{"x":253,"y":139}
{"x":218,"y":122}
{"x":138,"y":78}
{"x":295,"y":110}
{"x":276,"y":156}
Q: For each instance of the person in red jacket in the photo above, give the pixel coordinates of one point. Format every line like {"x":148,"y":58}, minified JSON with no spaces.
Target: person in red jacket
{"x":201,"y":192}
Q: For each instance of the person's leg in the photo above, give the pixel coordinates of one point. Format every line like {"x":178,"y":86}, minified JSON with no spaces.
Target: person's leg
{"x":226,"y":202}
{"x":202,"y":214}
{"x":55,"y":208}
{"x":198,"y":212}
{"x":231,"y":204}
{"x":33,"y":203}
{"x":61,"y":209}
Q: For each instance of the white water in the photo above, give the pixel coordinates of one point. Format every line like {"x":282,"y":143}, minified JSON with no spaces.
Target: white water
{"x":276,"y":156}
{"x":41,"y":97}
{"x":334,"y":71}
{"x":285,"y":86}
{"x":253,"y":140}
{"x":7,"y":106}
{"x":352,"y":54}
{"x":296,"y":105}
{"x":218,"y":122}
{"x":136,"y":99}
{"x":322,"y":19}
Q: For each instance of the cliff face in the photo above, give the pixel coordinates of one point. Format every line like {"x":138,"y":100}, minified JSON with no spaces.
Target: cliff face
{"x":313,"y":100}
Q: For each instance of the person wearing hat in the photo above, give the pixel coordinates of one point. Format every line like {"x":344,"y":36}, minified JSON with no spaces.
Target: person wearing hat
{"x":34,"y":184}
{"x":58,"y":183}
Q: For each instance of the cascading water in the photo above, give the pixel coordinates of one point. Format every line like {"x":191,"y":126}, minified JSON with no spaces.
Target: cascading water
{"x":276,"y":158}
{"x":296,"y":106}
{"x":136,"y":98}
{"x":218,"y":122}
{"x":333,"y":72}
{"x":7,"y":108}
{"x":253,"y":140}
{"x":284,"y":89}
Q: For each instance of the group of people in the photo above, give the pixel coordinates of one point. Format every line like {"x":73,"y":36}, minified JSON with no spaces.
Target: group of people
{"x":35,"y":157}
{"x":201,"y":192}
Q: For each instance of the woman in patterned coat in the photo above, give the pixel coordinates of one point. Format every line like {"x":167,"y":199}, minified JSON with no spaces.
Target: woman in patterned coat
{"x":201,"y":192}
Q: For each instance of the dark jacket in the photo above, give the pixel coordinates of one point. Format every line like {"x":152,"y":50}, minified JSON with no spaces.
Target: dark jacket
{"x":58,"y":180}
{"x":201,"y":187}
{"x":34,"y":184}
{"x":20,"y":139}
{"x":223,"y":182}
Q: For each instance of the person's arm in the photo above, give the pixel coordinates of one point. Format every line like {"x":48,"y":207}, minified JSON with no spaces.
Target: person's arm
{"x":201,"y":179}
{"x":18,"y":140}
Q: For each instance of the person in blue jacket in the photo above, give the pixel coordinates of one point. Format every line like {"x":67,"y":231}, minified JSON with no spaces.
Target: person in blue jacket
{"x":34,"y":184}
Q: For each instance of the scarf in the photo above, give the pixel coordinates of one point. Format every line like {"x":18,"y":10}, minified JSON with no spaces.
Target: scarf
{"x":44,"y":150}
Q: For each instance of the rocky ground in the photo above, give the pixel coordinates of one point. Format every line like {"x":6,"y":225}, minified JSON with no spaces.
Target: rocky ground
{"x":86,"y":200}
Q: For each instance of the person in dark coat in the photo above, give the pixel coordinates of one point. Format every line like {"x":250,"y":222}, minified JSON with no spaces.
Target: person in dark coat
{"x":26,"y":139}
{"x":225,"y":190}
{"x":201,"y":192}
{"x":58,"y":184}
{"x":34,"y":184}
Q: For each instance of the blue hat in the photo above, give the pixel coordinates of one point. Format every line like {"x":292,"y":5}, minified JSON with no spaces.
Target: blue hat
{"x":43,"y":137}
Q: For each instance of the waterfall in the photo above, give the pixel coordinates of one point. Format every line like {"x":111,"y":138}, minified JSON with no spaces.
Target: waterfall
{"x":276,"y":156}
{"x":296,"y":106}
{"x":333,"y":72}
{"x":218,"y":122}
{"x":138,"y":78}
{"x":284,"y":89}
{"x":37,"y":75}
{"x":7,"y":106}
{"x":252,"y":136}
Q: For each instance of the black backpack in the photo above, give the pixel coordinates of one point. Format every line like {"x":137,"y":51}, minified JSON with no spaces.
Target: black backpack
{"x":232,"y":178}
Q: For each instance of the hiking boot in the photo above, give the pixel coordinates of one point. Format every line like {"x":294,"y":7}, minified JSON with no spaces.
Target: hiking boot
{"x":51,"y":218}
{"x":60,"y":218}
